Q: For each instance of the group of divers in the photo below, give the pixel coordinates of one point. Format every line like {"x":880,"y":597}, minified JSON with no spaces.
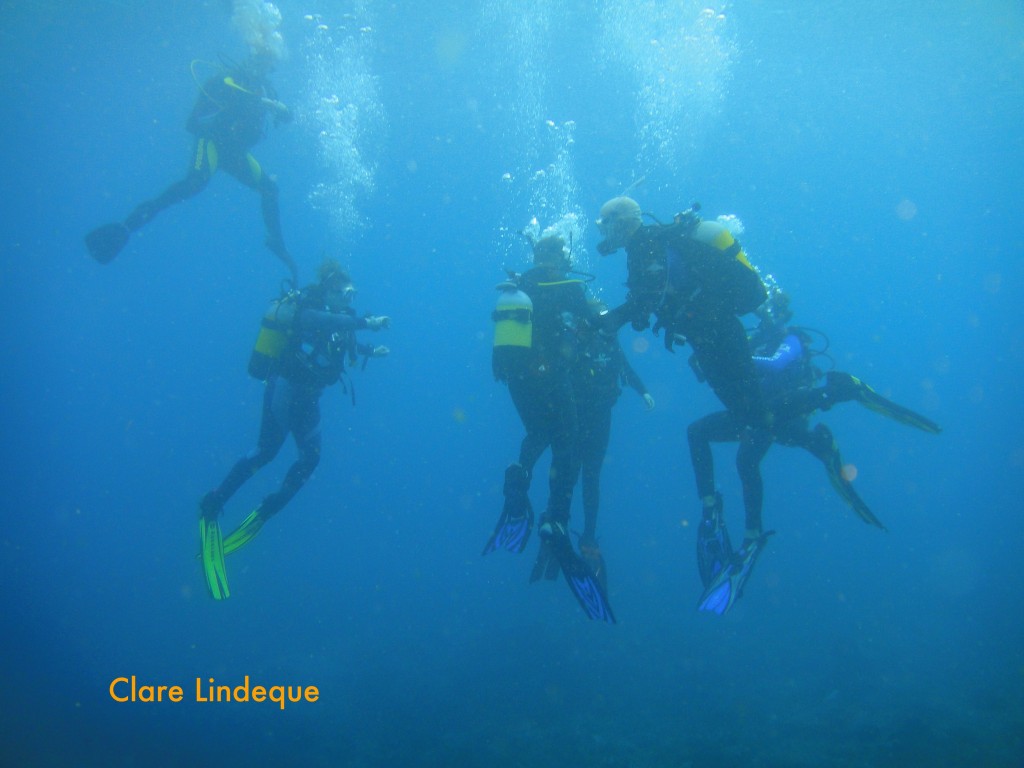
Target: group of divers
{"x":556,"y":348}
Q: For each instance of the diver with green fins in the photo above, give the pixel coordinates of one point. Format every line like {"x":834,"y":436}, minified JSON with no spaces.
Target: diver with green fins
{"x":227,"y":120}
{"x":306,"y":338}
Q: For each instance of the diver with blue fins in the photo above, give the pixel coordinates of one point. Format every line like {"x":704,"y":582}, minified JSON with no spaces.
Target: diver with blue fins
{"x":534,"y":352}
{"x":783,"y":356}
{"x":227,"y":120}
{"x":598,"y":379}
{"x":305,"y":340}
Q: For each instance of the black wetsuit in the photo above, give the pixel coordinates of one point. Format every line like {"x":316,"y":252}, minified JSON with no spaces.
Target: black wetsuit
{"x":698,"y":290}
{"x":597,"y":380}
{"x":539,"y":381}
{"x":291,"y":402}
{"x":228,"y":119}
{"x":787,"y":381}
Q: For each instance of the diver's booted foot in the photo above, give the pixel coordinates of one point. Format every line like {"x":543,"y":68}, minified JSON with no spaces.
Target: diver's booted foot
{"x":104,"y":243}
{"x":209,"y":507}
{"x":554,"y":541}
{"x":842,"y":387}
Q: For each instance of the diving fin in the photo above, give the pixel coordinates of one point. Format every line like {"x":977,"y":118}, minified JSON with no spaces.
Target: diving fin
{"x":714,"y":550}
{"x":516,"y":520}
{"x":546,"y":565}
{"x":834,"y":467}
{"x":104,"y":243}
{"x":245,"y":532}
{"x":591,"y":554}
{"x":727,"y":587}
{"x":583,"y":583}
{"x":847,"y":387}
{"x":212,"y":548}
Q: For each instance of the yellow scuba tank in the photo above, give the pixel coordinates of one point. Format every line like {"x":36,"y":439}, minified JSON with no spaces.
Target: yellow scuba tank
{"x":745,"y":291}
{"x":274,"y":337}
{"x":513,"y":317}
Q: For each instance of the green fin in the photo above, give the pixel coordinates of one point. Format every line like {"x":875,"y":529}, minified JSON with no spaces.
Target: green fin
{"x":244,"y":533}
{"x":104,"y":243}
{"x":213,"y":559}
{"x":869,"y":398}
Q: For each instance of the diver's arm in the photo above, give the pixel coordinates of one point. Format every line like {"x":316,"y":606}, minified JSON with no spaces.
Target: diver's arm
{"x":613,"y":319}
{"x":280,"y":111}
{"x":319,"y":321}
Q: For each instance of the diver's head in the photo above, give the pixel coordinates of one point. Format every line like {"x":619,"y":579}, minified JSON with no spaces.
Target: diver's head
{"x":335,"y":285}
{"x":620,"y":217}
{"x":260,"y":64}
{"x":550,"y":252}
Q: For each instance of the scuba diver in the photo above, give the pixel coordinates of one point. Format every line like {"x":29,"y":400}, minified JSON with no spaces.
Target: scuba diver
{"x":694,"y":277}
{"x":228,"y":119}
{"x":304,"y":341}
{"x":597,"y":380}
{"x":535,"y":349}
{"x":783,"y":356}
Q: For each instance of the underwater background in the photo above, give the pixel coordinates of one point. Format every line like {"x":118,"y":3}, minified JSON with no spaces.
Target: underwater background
{"x":873,"y":151}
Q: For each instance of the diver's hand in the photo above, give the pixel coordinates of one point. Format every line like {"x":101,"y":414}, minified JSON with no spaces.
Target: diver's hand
{"x":281,"y":112}
{"x":648,"y":401}
{"x":377,"y":323}
{"x":380,"y":351}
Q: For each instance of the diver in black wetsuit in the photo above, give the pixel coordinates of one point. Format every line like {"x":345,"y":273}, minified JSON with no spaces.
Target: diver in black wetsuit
{"x":695,"y":278}
{"x":315,"y":329}
{"x":227,"y":120}
{"x":535,"y":349}
{"x":597,"y":382}
{"x":782,"y":356}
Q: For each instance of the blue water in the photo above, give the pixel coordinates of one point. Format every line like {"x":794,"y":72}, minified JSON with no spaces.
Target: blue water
{"x":875,"y":158}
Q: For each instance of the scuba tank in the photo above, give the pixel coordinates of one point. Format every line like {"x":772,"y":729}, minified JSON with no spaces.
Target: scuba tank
{"x":274,"y":337}
{"x":513,"y":317}
{"x":513,"y":330}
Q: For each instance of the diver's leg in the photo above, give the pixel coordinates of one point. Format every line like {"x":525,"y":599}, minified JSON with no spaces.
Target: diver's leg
{"x":305,"y":423}
{"x":247,"y":170}
{"x":565,"y":466}
{"x":595,"y":422}
{"x":722,"y":350}
{"x":754,"y":444}
{"x":203,"y":166}
{"x":273,"y":431}
{"x":529,"y":401}
{"x":719,"y":427}
{"x":820,"y":443}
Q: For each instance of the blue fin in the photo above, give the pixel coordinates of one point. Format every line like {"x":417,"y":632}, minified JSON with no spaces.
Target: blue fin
{"x":727,"y":588}
{"x":583,"y":583}
{"x":516,"y":521}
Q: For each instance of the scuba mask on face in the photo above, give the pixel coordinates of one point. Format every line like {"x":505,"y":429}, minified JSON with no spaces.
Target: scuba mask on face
{"x":339,"y":299}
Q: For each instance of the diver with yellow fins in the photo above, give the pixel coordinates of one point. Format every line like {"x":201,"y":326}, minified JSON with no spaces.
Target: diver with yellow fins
{"x":534,"y":352}
{"x":227,"y":120}
{"x":305,"y":340}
